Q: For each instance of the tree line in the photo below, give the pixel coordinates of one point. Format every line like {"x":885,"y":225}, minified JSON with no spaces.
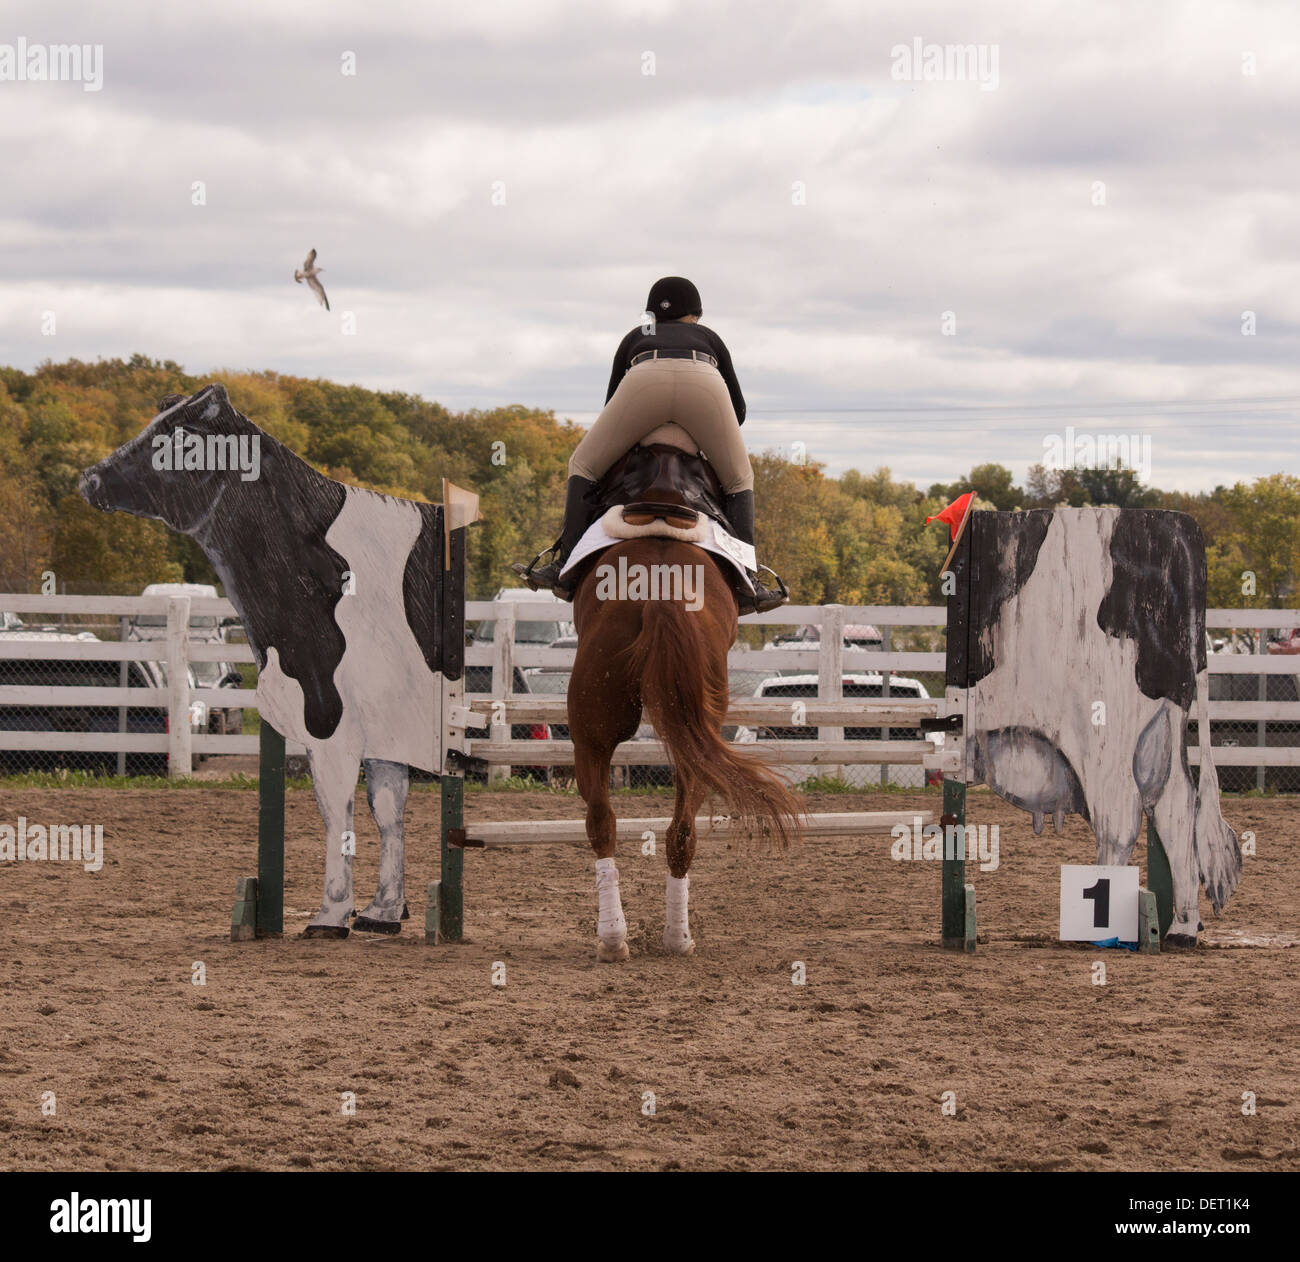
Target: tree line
{"x":859,"y":538}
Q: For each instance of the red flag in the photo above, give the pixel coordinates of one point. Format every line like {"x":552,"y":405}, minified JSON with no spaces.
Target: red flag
{"x":954,"y":514}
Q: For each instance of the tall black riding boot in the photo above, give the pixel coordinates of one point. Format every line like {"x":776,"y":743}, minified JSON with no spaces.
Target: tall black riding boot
{"x":578,"y":516}
{"x":739,"y":507}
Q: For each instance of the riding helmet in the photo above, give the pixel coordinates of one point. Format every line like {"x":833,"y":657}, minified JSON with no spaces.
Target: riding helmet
{"x":673,"y":297}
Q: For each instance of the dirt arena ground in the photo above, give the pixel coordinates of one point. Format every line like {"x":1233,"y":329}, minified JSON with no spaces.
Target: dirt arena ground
{"x":748,"y":1070}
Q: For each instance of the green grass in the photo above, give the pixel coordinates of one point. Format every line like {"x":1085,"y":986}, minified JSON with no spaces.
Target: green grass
{"x":836,"y":784}
{"x":65,"y":779}
{"x":511,"y":784}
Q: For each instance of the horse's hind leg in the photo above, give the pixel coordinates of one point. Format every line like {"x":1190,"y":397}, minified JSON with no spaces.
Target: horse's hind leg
{"x":681,"y":850}
{"x":597,"y":731}
{"x":591,"y":766}
{"x":604,"y":704}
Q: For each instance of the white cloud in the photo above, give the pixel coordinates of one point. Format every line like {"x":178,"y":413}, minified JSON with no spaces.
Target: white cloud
{"x":920,"y":198}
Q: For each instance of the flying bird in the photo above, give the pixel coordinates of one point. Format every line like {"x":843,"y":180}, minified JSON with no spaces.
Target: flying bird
{"x":308,"y":272}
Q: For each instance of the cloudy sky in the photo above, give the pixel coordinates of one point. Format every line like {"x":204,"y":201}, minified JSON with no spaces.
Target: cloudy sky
{"x":494,"y":189}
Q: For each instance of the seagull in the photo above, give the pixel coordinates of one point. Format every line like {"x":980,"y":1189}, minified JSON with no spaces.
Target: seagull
{"x":308,"y":273}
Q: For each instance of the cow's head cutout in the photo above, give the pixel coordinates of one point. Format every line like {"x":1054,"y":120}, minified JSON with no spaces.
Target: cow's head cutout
{"x":175,"y":469}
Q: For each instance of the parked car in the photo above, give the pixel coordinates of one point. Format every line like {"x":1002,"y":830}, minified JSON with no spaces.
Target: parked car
{"x":856,"y":636}
{"x":204,"y":629}
{"x":202,"y":626}
{"x":1287,"y":641}
{"x":901,"y":687}
{"x":478,"y":680}
{"x":54,"y":673}
{"x":537,"y":634}
{"x":220,"y":721}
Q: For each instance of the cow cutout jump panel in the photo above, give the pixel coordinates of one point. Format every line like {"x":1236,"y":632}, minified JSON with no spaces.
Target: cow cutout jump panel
{"x":1076,"y":648}
{"x":343,"y":593}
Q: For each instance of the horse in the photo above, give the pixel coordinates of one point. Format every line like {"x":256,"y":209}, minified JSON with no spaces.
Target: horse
{"x":659,"y":649}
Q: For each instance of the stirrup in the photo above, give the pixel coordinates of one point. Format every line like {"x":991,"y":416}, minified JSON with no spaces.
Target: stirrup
{"x":525,"y":572}
{"x":535,"y":580}
{"x":763,"y":599}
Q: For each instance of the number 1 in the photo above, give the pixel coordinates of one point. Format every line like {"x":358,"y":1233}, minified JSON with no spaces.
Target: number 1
{"x":1100,"y":894}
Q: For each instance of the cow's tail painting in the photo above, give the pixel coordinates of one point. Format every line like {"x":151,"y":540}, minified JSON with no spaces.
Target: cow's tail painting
{"x":685,"y":690}
{"x":1218,"y":856}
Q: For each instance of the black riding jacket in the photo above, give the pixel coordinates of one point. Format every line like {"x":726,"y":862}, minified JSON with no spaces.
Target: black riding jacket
{"x":674,"y":335}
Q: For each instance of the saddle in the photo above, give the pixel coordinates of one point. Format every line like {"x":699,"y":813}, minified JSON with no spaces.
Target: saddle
{"x":663,"y":478}
{"x":660,"y":480}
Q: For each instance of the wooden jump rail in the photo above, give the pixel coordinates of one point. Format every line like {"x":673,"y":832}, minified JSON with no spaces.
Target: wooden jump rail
{"x":653,"y":754}
{"x":749,"y":711}
{"x":509,"y":836}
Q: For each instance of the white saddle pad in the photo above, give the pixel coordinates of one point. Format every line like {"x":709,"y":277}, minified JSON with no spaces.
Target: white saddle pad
{"x":711,"y":537}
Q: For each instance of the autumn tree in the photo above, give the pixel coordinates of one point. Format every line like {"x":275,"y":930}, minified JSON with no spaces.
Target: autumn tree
{"x":110,"y":552}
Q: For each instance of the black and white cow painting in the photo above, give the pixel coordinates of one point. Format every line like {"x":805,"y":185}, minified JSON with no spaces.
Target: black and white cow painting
{"x":1084,"y":653}
{"x":337,"y":590}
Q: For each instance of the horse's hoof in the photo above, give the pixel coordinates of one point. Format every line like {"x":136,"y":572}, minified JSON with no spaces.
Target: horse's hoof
{"x":325,"y":931}
{"x":366,"y":924}
{"x":1179,"y":941}
{"x":607,"y":954}
{"x":677,"y":947}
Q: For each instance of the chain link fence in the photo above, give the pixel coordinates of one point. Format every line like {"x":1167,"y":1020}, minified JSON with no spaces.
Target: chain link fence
{"x":1254,"y":698}
{"x":34,"y":658}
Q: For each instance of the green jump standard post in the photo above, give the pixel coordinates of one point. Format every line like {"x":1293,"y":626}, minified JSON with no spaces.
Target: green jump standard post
{"x":444,"y":916}
{"x":270,"y":832}
{"x":259,"y":909}
{"x":958,"y":898}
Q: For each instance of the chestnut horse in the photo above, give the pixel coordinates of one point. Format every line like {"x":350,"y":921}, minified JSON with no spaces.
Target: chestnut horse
{"x":673,"y":659}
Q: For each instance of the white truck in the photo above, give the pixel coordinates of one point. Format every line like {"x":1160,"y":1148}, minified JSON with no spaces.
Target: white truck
{"x":206,"y":629}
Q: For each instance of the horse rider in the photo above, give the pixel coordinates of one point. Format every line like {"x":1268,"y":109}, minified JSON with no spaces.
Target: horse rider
{"x":676,"y":370}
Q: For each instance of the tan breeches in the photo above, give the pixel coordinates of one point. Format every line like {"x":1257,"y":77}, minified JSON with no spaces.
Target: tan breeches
{"x":683,"y":391}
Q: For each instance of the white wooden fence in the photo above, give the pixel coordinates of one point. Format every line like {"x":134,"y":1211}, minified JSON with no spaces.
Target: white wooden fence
{"x":830,"y":661}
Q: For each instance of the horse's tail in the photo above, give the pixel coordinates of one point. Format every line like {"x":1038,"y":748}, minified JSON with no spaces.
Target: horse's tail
{"x":684,"y":687}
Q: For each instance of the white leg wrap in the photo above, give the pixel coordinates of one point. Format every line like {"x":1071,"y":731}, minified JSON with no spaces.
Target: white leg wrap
{"x":611,"y":928}
{"x":677,"y":929}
